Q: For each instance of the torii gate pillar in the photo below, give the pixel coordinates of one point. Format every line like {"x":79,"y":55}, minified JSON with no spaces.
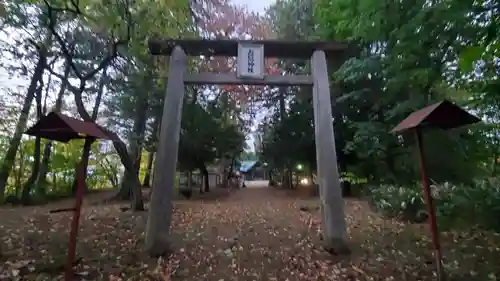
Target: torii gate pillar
{"x":330,"y":188}
{"x":158,"y":226}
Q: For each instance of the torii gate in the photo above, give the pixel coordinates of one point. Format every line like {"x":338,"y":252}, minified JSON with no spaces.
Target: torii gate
{"x":250,"y":68}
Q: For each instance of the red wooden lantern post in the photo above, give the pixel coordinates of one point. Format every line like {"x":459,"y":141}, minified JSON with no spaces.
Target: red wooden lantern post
{"x":430,"y":205}
{"x":443,"y":115}
{"x":58,"y":127}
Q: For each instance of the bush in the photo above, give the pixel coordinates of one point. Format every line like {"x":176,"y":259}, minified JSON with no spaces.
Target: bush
{"x":477,"y":204}
{"x":456,"y":205}
{"x":399,"y":202}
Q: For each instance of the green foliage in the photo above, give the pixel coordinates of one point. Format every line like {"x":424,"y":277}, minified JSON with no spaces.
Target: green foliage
{"x":65,"y":158}
{"x":294,"y":132}
{"x":403,"y":66}
{"x":478,"y":203}
{"x":207,"y":135}
{"x":456,"y":205}
{"x":399,"y":201}
{"x":352,"y":178}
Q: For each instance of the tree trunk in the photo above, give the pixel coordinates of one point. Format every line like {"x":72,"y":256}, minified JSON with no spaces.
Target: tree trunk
{"x":41,"y":180}
{"x":230,"y":172}
{"x":95,"y":111}
{"x":129,"y":186}
{"x":131,"y":180}
{"x":118,"y":144}
{"x":84,"y":160}
{"x":205,"y":179}
{"x":225,"y":173}
{"x":189,"y":178}
{"x":10,"y":156}
{"x":270,"y":176}
{"x":138,"y":204}
{"x":147,"y":177}
{"x":287,"y":181}
{"x":19,"y":175}
{"x":28,"y":186}
{"x":289,"y":175}
{"x":138,"y":159}
{"x":126,"y":192}
{"x":54,"y":181}
{"x":110,"y":174}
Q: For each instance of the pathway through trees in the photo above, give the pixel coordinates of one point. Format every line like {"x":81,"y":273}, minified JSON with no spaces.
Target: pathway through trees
{"x":252,"y":234}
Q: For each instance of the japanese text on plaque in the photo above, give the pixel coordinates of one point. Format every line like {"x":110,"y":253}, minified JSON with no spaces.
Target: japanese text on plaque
{"x":251,"y":61}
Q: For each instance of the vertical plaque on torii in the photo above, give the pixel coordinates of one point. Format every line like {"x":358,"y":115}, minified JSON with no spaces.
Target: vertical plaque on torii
{"x":250,"y":61}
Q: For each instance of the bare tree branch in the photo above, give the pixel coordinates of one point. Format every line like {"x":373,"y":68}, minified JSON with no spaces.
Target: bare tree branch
{"x":52,"y":13}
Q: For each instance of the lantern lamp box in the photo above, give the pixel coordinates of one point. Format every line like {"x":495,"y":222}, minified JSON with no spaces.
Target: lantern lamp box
{"x":250,"y":61}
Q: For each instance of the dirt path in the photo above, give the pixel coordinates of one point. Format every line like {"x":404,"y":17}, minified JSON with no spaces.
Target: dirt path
{"x":252,"y":234}
{"x":256,"y":234}
{"x":257,"y":184}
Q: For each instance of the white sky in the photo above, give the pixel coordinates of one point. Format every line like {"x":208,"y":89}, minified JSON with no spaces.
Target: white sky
{"x":255,"y":5}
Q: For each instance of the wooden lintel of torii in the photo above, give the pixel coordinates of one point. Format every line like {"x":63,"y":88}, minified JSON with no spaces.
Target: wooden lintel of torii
{"x":272,"y":48}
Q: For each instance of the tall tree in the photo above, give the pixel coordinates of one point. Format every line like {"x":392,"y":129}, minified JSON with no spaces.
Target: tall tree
{"x":42,"y":49}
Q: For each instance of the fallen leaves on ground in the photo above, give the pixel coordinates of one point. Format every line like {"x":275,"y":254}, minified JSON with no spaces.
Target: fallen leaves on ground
{"x":253,"y":234}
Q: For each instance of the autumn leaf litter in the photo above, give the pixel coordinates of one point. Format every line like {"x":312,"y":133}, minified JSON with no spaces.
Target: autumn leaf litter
{"x":254,"y":234}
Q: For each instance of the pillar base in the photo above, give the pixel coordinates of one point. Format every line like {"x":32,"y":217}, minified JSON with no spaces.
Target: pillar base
{"x":162,"y":247}
{"x":336,"y":246}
